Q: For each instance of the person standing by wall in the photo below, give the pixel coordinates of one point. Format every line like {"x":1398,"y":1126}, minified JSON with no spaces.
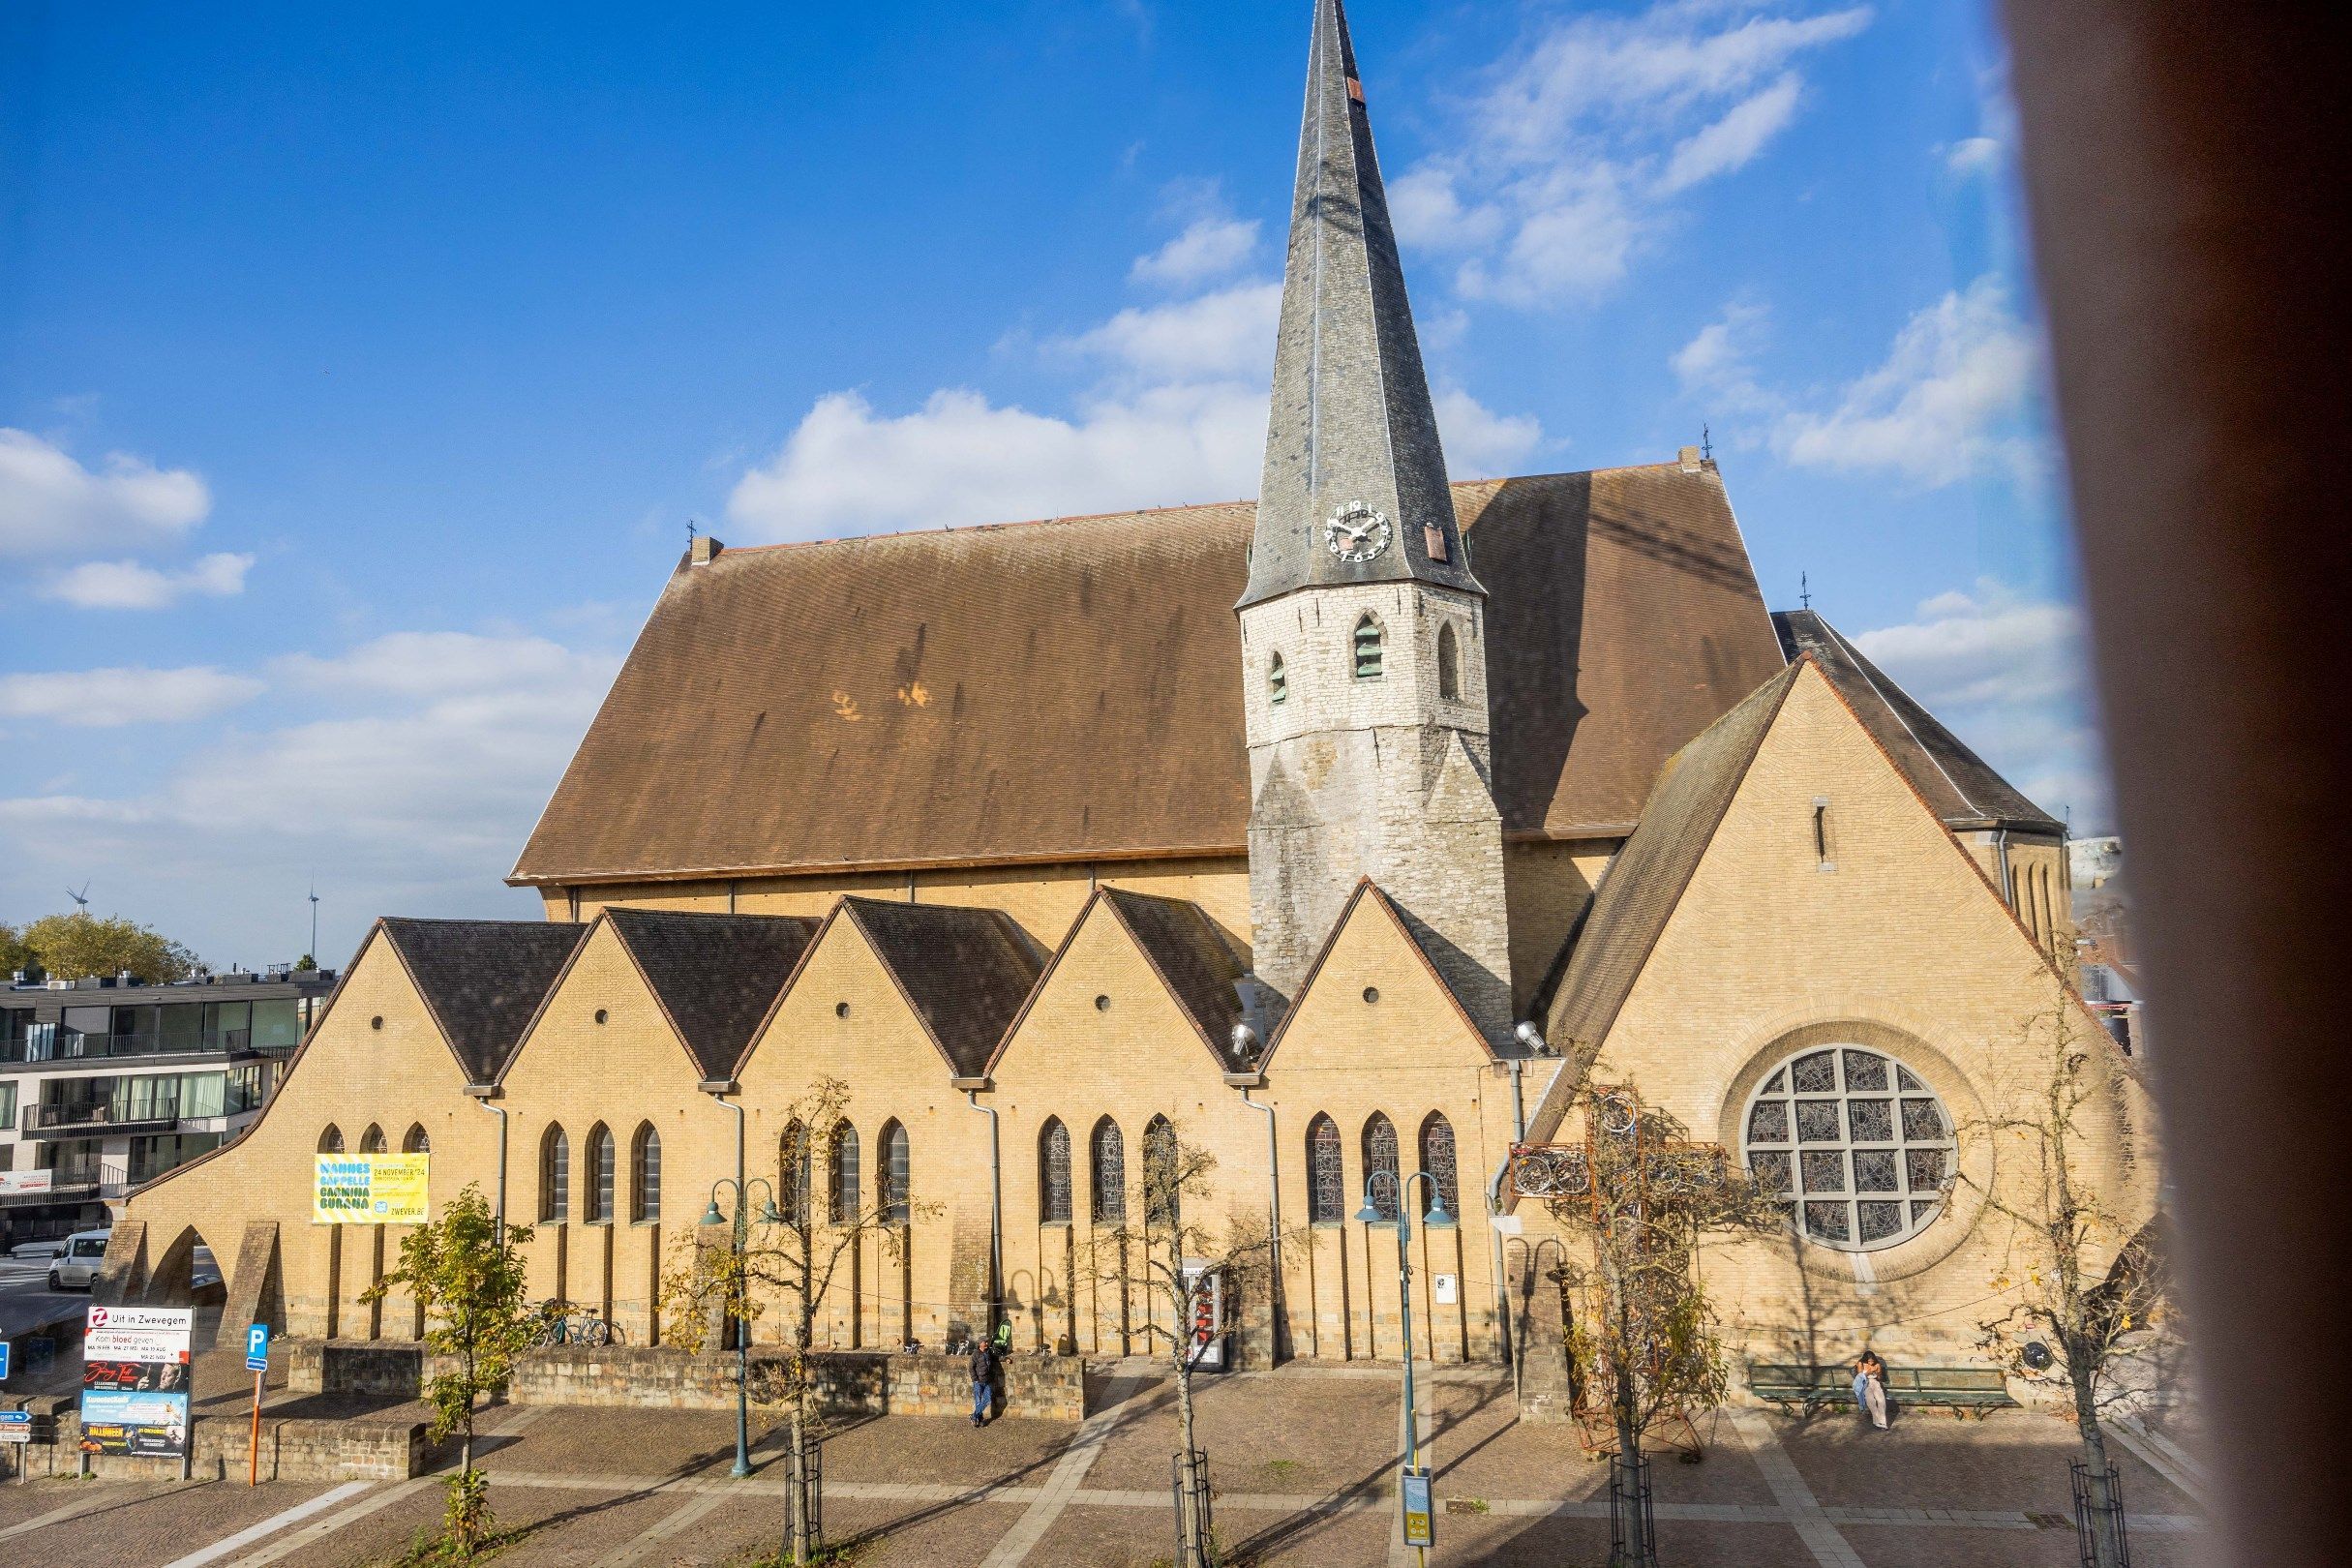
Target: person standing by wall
{"x":983,"y":1380}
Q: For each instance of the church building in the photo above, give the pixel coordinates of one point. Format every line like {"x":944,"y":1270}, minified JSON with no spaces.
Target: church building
{"x":1321,"y":832}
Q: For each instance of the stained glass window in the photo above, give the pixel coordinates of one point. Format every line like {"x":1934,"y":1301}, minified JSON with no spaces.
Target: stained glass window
{"x":796,"y":1172}
{"x":1854,"y":1144}
{"x":1437,"y":1158}
{"x":1326,"y":1177}
{"x":1163,"y":1201}
{"x":555,"y":1176}
{"x":1054,"y":1173}
{"x":645,"y":1175}
{"x":1109,"y":1171}
{"x":845,"y":1173}
{"x":896,"y":1188}
{"x":372,"y":1141}
{"x":418,"y":1141}
{"x":1380,"y":1164}
{"x":331,"y":1140}
{"x":603,"y":1157}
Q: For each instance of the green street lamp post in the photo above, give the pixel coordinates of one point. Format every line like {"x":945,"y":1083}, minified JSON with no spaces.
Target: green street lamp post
{"x":1439,"y":1218}
{"x":742,"y":1319}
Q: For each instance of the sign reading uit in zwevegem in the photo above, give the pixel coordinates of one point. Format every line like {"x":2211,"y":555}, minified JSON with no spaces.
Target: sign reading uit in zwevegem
{"x":370,"y":1189}
{"x":134,"y":1381}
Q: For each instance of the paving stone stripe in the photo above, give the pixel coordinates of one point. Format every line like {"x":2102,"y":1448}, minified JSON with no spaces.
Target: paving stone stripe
{"x":75,"y":1509}
{"x":269,"y":1527}
{"x":312,"y":1533}
{"x":1813,"y":1527}
{"x":1063,"y":1484}
{"x":651,"y":1539}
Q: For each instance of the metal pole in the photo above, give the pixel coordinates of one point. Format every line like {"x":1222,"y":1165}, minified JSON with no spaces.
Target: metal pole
{"x":498,"y":1112}
{"x":1273,"y":1233}
{"x":252,"y":1452}
{"x":996,"y":1211}
{"x":742,"y":1351}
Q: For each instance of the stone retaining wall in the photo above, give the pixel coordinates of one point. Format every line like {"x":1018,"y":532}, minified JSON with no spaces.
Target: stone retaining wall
{"x":291,"y":1450}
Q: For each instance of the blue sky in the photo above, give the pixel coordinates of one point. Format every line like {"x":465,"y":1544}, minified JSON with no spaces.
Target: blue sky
{"x":360,"y":369}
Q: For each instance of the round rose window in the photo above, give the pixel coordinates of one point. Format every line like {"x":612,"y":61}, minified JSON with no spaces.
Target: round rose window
{"x":1854,"y":1145}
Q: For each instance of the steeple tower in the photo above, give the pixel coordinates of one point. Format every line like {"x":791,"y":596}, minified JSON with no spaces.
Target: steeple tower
{"x":1362,"y":627}
{"x":1353,"y":424}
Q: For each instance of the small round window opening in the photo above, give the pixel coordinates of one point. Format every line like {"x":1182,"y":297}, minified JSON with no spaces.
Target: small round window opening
{"x":1103,"y":1003}
{"x":377,"y":1022}
{"x":1854,"y":1146}
{"x":841,"y":1009}
{"x":1371,"y":993}
{"x":600,"y":1015}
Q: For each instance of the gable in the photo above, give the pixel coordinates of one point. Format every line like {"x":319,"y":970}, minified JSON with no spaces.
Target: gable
{"x":602,"y":1019}
{"x":1136,"y":972}
{"x":841,"y":1015}
{"x":1373,"y":996}
{"x":482,"y":980}
{"x":715,"y":976}
{"x":965,"y":972}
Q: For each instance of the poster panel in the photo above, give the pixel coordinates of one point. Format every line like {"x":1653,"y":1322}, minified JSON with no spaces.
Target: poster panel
{"x":370,"y":1189}
{"x":134,"y":1381}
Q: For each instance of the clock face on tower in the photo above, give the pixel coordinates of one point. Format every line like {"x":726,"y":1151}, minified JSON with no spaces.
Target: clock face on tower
{"x":1357,"y":532}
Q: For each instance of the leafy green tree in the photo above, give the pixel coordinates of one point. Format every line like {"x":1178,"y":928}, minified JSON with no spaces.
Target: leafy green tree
{"x":305,"y":964}
{"x":473,"y":1286}
{"x":15,"y":952}
{"x":78,"y":945}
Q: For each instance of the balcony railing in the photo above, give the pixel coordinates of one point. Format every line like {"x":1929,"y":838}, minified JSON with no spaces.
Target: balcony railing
{"x":104,"y":1114}
{"x":80,"y":1047}
{"x":80,"y":1179}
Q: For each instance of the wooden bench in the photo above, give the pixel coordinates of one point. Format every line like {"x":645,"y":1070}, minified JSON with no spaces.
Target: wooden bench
{"x":1962,"y":1390}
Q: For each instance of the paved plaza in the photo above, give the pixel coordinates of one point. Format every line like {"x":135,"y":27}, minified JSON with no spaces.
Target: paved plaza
{"x":1300,"y":1458}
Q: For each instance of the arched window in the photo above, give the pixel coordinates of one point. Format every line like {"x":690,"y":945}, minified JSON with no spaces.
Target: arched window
{"x":1106,"y":1167}
{"x":795,"y":1173}
{"x":1380,"y":1162}
{"x":897,"y":1207}
{"x":554,"y":1175}
{"x":1278,"y":682}
{"x":417,"y":1141}
{"x":1449,"y":662}
{"x":603,"y":1155}
{"x":1853,"y":1144}
{"x":1367,"y":647}
{"x":331,"y":1140}
{"x":1437,"y":1158}
{"x":1054,"y":1173}
{"x":372,"y":1141}
{"x":845,"y":1173}
{"x":644,"y":1174}
{"x":1162,"y":1200}
{"x":1326,"y":1173}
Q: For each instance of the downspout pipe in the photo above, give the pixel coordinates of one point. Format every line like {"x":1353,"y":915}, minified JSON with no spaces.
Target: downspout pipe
{"x":718,"y":1090}
{"x":482,"y":1093}
{"x":996,"y":1208}
{"x":1245,"y":1050}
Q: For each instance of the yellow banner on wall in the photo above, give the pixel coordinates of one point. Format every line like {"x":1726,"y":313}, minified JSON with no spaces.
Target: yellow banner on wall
{"x":370,"y":1189}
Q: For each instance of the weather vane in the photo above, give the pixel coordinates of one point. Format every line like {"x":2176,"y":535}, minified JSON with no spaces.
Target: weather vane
{"x":1804,"y":591}
{"x":1707,"y":444}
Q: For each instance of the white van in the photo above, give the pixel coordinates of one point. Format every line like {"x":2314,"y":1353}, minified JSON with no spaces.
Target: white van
{"x":77,"y":1267}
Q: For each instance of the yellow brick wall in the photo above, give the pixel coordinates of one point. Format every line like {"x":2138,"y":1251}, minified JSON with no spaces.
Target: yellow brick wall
{"x":1902,"y":946}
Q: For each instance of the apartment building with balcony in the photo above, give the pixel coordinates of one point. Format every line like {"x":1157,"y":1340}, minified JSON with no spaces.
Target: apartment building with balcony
{"x":106,"y":1083}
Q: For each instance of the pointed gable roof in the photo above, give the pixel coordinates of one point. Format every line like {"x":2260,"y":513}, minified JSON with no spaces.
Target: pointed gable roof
{"x":1368,"y":891}
{"x":1193,"y":960}
{"x":964,"y":972}
{"x":713,"y":975}
{"x":483,"y":980}
{"x":1352,"y":420}
{"x":1960,"y":785}
{"x":1639,"y":891}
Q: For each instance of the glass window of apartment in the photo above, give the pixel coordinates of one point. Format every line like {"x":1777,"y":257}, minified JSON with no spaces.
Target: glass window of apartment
{"x":248,"y":1086}
{"x":85,"y":1031}
{"x":8,"y":1108}
{"x":14,"y":1022}
{"x":182,"y":1028}
{"x":203,"y":1094}
{"x":135,"y":1029}
{"x":276,"y":1026}
{"x":228,"y":1026}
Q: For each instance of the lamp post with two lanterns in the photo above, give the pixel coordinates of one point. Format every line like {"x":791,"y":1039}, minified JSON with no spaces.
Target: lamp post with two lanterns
{"x":1415,"y":1521}
{"x":712,"y":1218}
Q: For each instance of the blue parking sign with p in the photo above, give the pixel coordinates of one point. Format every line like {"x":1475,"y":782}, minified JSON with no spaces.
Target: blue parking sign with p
{"x":3,"y":1361}
{"x":257,"y":1347}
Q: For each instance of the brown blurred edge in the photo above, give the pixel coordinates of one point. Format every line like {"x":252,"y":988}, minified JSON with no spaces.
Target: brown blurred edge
{"x":2186,"y":170}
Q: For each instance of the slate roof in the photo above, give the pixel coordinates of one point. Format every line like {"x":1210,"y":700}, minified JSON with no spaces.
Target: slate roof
{"x":1368,"y":889}
{"x":715,"y":976}
{"x":1071,"y":689}
{"x":1351,"y":419}
{"x":482,"y":980}
{"x":1639,"y":891}
{"x":965,"y":972}
{"x":1959,"y":786}
{"x":1192,"y":957}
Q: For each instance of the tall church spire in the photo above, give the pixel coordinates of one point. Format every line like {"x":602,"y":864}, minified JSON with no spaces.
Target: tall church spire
{"x":1355,"y":482}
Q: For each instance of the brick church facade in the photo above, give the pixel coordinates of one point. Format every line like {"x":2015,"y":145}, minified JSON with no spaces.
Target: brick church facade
{"x":1323,"y":829}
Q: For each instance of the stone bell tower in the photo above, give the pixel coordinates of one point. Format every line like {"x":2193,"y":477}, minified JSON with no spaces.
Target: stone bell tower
{"x":1362,"y":627}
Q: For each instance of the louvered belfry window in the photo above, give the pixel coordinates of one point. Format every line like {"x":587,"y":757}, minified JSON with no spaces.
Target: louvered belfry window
{"x":1368,"y":648}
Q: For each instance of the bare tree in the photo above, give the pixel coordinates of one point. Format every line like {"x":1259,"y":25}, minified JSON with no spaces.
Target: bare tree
{"x":1181,"y":1267}
{"x":1642,"y":1196}
{"x":818,"y":1219}
{"x":2083,"y":1283}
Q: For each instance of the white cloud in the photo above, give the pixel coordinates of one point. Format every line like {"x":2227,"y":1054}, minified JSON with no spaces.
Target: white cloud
{"x":443,"y":664}
{"x":1951,"y":401}
{"x":52,"y":505}
{"x":1973,"y":155}
{"x":1736,"y":139}
{"x":1569,"y":162}
{"x":127,"y":695}
{"x":1230,"y":332}
{"x":127,"y":584}
{"x":1945,"y":406}
{"x":2011,"y":677}
{"x":1479,"y":442}
{"x":1209,"y":247}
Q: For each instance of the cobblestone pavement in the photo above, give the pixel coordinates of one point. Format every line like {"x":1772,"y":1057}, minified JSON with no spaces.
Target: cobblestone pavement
{"x":1302,"y":1461}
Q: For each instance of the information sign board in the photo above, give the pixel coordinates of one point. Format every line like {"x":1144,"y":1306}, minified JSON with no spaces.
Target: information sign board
{"x":1420,"y":1527}
{"x":368,"y":1190}
{"x":16,"y":1426}
{"x":134,"y":1375}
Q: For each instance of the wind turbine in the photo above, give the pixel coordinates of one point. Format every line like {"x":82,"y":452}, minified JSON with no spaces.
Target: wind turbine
{"x":81,"y":899}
